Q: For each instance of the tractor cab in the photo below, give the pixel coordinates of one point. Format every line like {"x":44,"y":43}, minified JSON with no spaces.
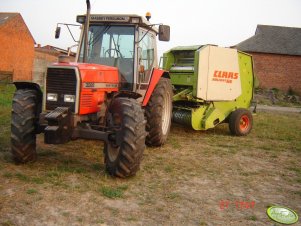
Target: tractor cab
{"x":127,"y":42}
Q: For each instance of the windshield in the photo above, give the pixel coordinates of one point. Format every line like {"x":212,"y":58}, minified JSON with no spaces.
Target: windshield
{"x":112,"y":46}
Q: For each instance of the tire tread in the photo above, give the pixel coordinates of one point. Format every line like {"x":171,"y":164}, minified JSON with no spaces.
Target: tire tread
{"x":23,"y":137}
{"x":133,"y":142}
{"x":153,"y":113}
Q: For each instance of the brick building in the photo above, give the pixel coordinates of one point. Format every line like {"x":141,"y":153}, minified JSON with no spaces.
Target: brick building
{"x":16,"y":47}
{"x":277,"y":56}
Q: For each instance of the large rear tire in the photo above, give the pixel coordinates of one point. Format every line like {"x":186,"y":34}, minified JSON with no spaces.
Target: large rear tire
{"x":158,"y":113}
{"x":127,"y":115}
{"x":240,"y":122}
{"x":23,"y":136}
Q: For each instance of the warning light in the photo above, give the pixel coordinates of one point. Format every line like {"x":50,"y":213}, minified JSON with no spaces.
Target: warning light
{"x":148,"y":16}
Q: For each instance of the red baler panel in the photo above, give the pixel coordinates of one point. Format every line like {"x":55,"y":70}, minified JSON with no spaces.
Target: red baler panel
{"x":96,"y":81}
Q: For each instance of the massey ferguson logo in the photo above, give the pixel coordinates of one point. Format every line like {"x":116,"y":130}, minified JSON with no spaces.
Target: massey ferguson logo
{"x":224,"y":76}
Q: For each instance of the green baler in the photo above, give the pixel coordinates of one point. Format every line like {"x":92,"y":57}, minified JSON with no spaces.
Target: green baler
{"x":212,"y":85}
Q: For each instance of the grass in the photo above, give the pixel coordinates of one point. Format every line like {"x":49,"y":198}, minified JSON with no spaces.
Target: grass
{"x":113,"y":192}
{"x":181,"y":182}
{"x":22,"y":177}
{"x":6,"y":94}
{"x":252,"y":218}
{"x":31,"y":191}
{"x":7,"y":175}
{"x":7,"y":223}
{"x":172,"y":195}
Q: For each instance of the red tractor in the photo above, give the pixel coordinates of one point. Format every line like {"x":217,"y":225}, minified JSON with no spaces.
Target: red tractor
{"x":113,"y":92}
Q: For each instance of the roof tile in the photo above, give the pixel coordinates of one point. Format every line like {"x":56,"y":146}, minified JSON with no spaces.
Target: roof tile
{"x":273,"y":39}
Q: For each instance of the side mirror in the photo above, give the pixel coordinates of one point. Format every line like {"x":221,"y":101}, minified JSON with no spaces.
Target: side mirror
{"x":164,"y":33}
{"x":57,"y":32}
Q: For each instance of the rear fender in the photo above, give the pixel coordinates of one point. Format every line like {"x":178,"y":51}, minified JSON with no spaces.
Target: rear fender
{"x":156,"y":75}
{"x":28,"y":85}
{"x":33,"y":86}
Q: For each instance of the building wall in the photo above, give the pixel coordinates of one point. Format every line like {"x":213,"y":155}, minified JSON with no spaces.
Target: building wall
{"x":278,"y":71}
{"x":16,"y":49}
{"x":42,"y":59}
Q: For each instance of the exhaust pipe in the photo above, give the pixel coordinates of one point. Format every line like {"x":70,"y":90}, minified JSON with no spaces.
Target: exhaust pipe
{"x":87,"y":22}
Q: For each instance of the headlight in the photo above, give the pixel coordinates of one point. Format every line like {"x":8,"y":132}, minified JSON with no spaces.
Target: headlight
{"x":135,"y":20}
{"x":81,"y":19}
{"x":51,"y":96}
{"x":69,"y":98}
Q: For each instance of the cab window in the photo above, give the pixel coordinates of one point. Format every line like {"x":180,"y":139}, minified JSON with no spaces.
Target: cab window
{"x":146,"y":55}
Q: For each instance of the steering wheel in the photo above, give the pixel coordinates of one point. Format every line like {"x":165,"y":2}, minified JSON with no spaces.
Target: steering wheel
{"x":109,"y":51}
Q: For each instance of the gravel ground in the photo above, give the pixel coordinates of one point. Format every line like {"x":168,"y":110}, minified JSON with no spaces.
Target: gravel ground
{"x":278,"y":109}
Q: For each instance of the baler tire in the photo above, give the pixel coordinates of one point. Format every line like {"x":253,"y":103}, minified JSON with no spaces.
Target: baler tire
{"x":127,"y":115}
{"x":159,"y":113}
{"x":240,"y":122}
{"x":23,"y":119}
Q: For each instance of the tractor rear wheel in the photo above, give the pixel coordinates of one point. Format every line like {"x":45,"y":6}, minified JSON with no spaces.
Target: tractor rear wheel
{"x":123,"y":160}
{"x":240,"y":122}
{"x":23,"y":136}
{"x":158,"y":113}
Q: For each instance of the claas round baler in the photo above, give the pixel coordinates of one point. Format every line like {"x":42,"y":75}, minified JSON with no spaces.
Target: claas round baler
{"x":212,"y":85}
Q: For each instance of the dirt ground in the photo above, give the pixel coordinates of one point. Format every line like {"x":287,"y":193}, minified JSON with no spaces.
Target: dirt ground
{"x":197,"y":178}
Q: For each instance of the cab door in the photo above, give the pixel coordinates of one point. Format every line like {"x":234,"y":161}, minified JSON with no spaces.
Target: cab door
{"x":146,"y":59}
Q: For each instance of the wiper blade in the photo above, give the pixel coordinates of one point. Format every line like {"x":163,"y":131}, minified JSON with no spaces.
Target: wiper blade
{"x":96,"y":39}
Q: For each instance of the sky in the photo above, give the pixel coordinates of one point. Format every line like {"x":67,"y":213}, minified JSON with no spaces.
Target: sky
{"x":192,"y":22}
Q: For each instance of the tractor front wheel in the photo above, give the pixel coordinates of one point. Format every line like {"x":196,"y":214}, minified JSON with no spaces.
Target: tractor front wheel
{"x":23,"y":136}
{"x":125,"y":115}
{"x":158,"y":113}
{"x":240,"y":122}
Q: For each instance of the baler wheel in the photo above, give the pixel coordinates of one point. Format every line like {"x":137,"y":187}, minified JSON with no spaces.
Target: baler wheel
{"x":159,"y":113}
{"x":240,"y":122}
{"x":127,"y":115}
{"x":23,"y":136}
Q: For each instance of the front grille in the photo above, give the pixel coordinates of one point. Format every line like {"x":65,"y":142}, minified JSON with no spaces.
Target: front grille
{"x":60,"y":81}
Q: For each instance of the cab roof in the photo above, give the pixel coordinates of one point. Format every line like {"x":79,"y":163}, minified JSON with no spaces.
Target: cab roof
{"x":117,"y":19}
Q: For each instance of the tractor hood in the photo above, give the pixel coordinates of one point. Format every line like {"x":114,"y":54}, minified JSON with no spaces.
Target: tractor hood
{"x":85,"y":66}
{"x":92,"y":73}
